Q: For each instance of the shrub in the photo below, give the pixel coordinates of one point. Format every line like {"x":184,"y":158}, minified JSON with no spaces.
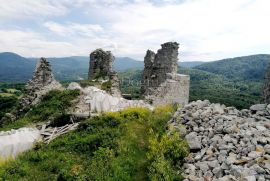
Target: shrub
{"x":106,"y":85}
{"x":131,"y":144}
{"x":52,"y":107}
{"x":165,"y":154}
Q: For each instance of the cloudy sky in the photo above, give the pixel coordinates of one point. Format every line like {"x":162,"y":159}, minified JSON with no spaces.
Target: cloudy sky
{"x":206,"y":29}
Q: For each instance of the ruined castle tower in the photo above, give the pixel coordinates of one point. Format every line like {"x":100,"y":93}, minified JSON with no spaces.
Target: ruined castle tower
{"x":160,"y":82}
{"x":101,"y":66}
{"x":41,"y":83}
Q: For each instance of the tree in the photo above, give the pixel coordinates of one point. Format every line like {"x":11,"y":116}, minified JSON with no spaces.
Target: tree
{"x":266,"y":87}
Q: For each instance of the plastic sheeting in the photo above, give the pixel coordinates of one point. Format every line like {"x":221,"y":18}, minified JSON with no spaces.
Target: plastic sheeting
{"x":100,"y":101}
{"x":16,"y":141}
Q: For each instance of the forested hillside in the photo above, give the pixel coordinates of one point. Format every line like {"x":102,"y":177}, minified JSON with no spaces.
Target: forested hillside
{"x":205,"y":85}
{"x":251,"y":67}
{"x":234,"y":82}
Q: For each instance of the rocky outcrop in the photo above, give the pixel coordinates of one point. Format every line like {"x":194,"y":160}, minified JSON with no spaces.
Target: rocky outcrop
{"x":41,"y":83}
{"x":160,"y":82}
{"x":16,"y":141}
{"x":101,"y":67}
{"x":94,"y":100}
{"x":225,"y":143}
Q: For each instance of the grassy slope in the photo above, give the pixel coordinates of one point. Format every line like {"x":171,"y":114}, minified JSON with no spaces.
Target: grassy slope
{"x":114,"y":146}
{"x":53,"y":106}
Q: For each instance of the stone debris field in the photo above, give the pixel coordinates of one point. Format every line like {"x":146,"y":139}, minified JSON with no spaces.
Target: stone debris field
{"x":225,"y":143}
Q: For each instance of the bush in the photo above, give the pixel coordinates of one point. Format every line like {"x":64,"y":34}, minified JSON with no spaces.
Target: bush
{"x":131,"y":144}
{"x":52,"y":107}
{"x":165,"y":154}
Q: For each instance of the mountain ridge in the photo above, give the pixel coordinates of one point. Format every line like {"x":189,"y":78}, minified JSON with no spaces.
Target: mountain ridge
{"x":16,"y":68}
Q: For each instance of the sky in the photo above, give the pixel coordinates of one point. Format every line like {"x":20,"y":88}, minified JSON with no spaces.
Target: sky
{"x":205,"y":29}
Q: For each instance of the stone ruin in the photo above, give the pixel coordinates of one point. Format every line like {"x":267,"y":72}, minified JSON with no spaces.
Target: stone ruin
{"x":101,"y":67}
{"x":160,"y":82}
{"x":41,"y":83}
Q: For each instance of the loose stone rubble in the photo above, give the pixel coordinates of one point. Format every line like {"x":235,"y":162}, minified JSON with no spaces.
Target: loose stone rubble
{"x":101,"y":67}
{"x":94,"y":100}
{"x":160,"y":83}
{"x":225,"y":143}
{"x":41,"y":83}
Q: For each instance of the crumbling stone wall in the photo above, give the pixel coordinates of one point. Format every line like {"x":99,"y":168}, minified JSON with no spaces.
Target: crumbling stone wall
{"x":41,"y":83}
{"x":101,"y":66}
{"x":160,"y":83}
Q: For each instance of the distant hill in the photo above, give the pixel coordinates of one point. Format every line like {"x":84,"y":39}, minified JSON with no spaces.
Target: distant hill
{"x":15,"y":68}
{"x":190,"y":64}
{"x":251,"y":67}
{"x":206,"y":85}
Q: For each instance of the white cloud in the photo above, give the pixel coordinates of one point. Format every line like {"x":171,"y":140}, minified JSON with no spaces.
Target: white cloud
{"x":28,"y":43}
{"x":211,"y":28}
{"x":21,"y":9}
{"x":74,"y":29}
{"x":205,"y":29}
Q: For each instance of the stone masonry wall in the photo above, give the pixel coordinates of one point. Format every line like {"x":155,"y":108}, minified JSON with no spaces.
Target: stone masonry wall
{"x":101,"y":66}
{"x":101,"y":63}
{"x":160,"y":83}
{"x":41,"y":83}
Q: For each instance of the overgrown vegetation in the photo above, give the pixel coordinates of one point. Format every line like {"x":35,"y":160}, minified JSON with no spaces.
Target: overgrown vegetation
{"x":130,"y":83}
{"x":7,"y":104}
{"x":247,"y":68}
{"x":85,"y":83}
{"x":128,"y":145}
{"x":52,"y":107}
{"x":236,"y":92}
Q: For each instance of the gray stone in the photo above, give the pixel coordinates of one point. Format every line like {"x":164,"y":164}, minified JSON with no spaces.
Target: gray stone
{"x":193,"y":140}
{"x":235,"y":145}
{"x":203,"y":166}
{"x":160,"y":82}
{"x":249,"y":178}
{"x":218,"y":172}
{"x":258,"y":107}
{"x":101,"y":67}
{"x":101,"y":64}
{"x":200,"y":154}
{"x":255,"y":154}
{"x":258,"y":169}
{"x":267,"y":149}
{"x":41,"y":83}
{"x":261,"y":178}
{"x":213,"y":164}
{"x":260,"y":128}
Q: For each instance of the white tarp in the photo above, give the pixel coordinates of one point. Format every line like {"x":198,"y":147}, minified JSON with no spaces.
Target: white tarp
{"x":16,"y":141}
{"x":100,"y":101}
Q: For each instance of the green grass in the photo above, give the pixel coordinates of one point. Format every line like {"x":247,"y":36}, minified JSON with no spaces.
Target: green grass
{"x":6,"y":94}
{"x":114,"y":146}
{"x":52,"y":107}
